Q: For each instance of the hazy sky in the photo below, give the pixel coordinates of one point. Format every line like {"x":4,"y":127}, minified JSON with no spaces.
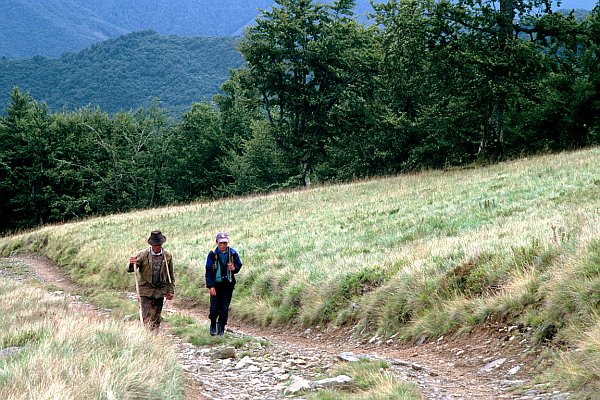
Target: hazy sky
{"x":587,"y":4}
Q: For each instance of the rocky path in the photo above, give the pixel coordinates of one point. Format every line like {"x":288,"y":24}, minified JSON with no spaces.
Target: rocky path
{"x":494,"y":362}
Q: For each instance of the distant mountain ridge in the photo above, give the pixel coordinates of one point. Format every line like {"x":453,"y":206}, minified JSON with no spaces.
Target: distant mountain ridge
{"x":126,"y":73}
{"x":53,"y":27}
{"x":50,"y":28}
{"x":178,"y":17}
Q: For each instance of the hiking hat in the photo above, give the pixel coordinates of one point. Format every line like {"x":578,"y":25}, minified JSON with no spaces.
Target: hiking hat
{"x":222,"y":237}
{"x":156,"y":238}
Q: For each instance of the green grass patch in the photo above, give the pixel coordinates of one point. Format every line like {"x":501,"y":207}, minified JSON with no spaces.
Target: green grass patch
{"x":198,"y":334}
{"x":111,"y":301}
{"x":370,"y":380}
{"x":22,"y":337}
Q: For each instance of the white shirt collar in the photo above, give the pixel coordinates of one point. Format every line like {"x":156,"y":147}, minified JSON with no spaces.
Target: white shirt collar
{"x":156,"y":254}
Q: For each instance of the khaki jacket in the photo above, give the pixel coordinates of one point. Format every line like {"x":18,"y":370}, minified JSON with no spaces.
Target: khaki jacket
{"x":144,"y":263}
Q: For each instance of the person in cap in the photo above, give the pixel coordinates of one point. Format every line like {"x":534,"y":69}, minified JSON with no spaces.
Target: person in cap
{"x":157,"y":281}
{"x":221,"y":266}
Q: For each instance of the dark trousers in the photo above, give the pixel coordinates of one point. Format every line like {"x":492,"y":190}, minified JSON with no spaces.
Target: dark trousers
{"x":151,"y":310}
{"x":219,"y":304}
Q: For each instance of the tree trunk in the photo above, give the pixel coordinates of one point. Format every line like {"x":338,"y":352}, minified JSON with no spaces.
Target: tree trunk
{"x":491,"y":146}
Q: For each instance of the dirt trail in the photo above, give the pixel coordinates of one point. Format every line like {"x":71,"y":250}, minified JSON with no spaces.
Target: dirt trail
{"x":486,"y":364}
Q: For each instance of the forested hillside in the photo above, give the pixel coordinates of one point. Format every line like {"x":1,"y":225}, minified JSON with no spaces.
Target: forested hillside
{"x":320,"y":98}
{"x":126,"y":73}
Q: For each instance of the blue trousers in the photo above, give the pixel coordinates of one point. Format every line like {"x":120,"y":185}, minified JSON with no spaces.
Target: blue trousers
{"x":219,"y":304}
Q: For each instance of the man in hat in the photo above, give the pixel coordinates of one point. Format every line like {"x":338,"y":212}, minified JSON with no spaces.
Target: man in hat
{"x":221,"y":266}
{"x":156,"y":278}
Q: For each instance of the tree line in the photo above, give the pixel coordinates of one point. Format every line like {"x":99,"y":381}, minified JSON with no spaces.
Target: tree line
{"x":428,"y":84}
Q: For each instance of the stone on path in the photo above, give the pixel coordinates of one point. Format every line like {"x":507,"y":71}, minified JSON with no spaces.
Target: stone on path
{"x":348,"y":357}
{"x":353,"y":357}
{"x":493,"y":365}
{"x":335,"y":382}
{"x":298,"y":384}
{"x":415,"y":366}
{"x":513,"y":370}
{"x":242,"y":363}
{"x":224,"y":352}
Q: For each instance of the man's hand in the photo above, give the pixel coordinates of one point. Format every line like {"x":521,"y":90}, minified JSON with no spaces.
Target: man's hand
{"x":231,"y":267}
{"x":169,"y":296}
{"x":132,"y":260}
{"x":213,"y":292}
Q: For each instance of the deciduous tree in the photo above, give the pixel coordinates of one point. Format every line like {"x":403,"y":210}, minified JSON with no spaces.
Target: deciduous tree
{"x":302,"y":57}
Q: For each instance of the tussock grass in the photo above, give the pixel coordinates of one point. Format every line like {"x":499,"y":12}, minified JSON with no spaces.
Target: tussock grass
{"x":578,"y":368}
{"x":371,"y":381}
{"x":69,"y":356}
{"x":420,"y":254}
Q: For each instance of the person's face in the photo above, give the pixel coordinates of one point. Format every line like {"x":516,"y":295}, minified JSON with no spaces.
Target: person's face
{"x":156,"y":248}
{"x":222,"y":246}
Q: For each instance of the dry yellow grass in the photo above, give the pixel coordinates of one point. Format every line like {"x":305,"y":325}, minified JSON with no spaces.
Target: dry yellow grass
{"x":67,"y":355}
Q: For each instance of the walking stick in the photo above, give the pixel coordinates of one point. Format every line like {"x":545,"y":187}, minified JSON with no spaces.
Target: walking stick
{"x":230,"y":272}
{"x":137,"y":290}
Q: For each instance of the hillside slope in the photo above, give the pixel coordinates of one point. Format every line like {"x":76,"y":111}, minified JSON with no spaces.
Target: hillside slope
{"x":126,"y":73}
{"x":410,"y":256}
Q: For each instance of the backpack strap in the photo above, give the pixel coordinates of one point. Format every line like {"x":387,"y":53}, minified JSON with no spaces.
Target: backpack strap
{"x":217,"y":263}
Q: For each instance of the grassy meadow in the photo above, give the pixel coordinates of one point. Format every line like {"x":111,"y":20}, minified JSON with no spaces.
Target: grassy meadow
{"x":412,"y":255}
{"x":66,"y":355}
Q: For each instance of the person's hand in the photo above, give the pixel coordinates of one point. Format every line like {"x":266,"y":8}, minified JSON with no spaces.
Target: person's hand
{"x":213,"y":292}
{"x":132,"y":260}
{"x":169,"y":296}
{"x":231,"y":266}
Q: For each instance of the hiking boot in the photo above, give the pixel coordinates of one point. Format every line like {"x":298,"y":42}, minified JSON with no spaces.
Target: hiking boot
{"x":220,"y":329}
{"x":213,"y":328}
